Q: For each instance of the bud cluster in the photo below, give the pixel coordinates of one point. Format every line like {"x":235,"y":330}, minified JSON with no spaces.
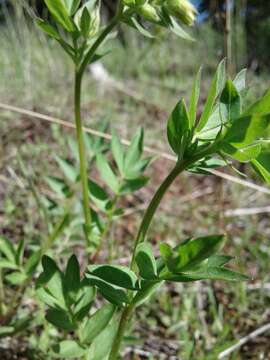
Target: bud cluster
{"x":155,"y":10}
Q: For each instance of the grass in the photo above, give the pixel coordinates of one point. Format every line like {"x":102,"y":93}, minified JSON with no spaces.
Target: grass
{"x":35,"y":75}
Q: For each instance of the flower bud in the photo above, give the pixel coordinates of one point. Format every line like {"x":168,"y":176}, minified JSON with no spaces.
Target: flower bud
{"x":148,"y":12}
{"x":182,"y":10}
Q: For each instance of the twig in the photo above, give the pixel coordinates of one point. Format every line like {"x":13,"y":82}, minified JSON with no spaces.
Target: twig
{"x":154,"y":151}
{"x":247,"y":211}
{"x":244,"y":340}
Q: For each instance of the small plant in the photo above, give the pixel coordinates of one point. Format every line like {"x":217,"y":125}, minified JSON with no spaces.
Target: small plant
{"x":225,"y":132}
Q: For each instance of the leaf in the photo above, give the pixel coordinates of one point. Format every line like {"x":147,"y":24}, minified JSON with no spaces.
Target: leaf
{"x":52,"y":278}
{"x":134,"y":151}
{"x":48,"y":29}
{"x":245,"y":130}
{"x":72,"y":6}
{"x":193,"y":252}
{"x":72,"y":278}
{"x":261,"y":106}
{"x":113,"y":294}
{"x":118,"y":153}
{"x":106,"y":173}
{"x":32,"y":262}
{"x":262,"y":165}
{"x":211,"y":273}
{"x":16,"y":277}
{"x":219,"y":260}
{"x":68,"y":169}
{"x":48,"y":299}
{"x":177,"y":126}
{"x":240,"y":80}
{"x":85,"y":22}
{"x":60,"y":319}
{"x":178,"y":30}
{"x":84,"y":300}
{"x":215,"y":89}
{"x":193,"y":103}
{"x":230,"y":99}
{"x":20,"y":252}
{"x":102,"y":344}
{"x":137,"y":25}
{"x":201,"y":167}
{"x":145,"y":293}
{"x":99,"y":196}
{"x":244,"y":154}
{"x":58,"y":186}
{"x":132,"y":185}
{"x":115,"y":274}
{"x":146,"y":262}
{"x":69,"y":349}
{"x":97,"y":323}
{"x":7,"y":249}
{"x":59,"y":11}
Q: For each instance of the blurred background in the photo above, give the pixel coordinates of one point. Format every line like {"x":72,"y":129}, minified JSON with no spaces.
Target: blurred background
{"x":138,"y":83}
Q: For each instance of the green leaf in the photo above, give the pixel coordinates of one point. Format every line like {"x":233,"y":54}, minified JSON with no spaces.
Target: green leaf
{"x":215,"y":90}
{"x":240,"y":80}
{"x":60,"y":319}
{"x":52,"y":279}
{"x":68,"y":169}
{"x":137,"y":25}
{"x":244,"y":154}
{"x":146,"y":262}
{"x":7,"y":249}
{"x":48,"y":29}
{"x":132,"y":185}
{"x":193,"y":252}
{"x":113,"y":294}
{"x":260,"y":107}
{"x":59,"y":11}
{"x":6,"y":331}
{"x":97,"y":323}
{"x":201,"y":167}
{"x":99,"y":196}
{"x":69,"y":349}
{"x":195,"y":98}
{"x":72,"y":6}
{"x":148,"y":290}
{"x":115,"y":274}
{"x":20,"y":253}
{"x":58,"y":186}
{"x":16,"y":277}
{"x":32,"y":262}
{"x":118,"y":153}
{"x":230,"y":99}
{"x":219,"y":260}
{"x":262,"y":165}
{"x":46,"y":297}
{"x":178,"y":30}
{"x":134,"y":151}
{"x":177,"y":127}
{"x":84,"y":301}
{"x":245,"y":130}
{"x":72,"y":278}
{"x":107,"y":174}
{"x":102,"y":344}
{"x":211,"y":273}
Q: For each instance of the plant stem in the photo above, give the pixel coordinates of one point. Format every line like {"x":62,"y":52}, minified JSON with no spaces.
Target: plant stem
{"x":126,"y":314}
{"x":81,"y":148}
{"x":152,"y":208}
{"x":148,"y":216}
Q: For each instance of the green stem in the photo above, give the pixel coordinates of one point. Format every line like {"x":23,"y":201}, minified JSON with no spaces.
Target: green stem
{"x":126,"y":315}
{"x":146,"y":221}
{"x":92,"y":51}
{"x":83,"y":164}
{"x":152,"y":208}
